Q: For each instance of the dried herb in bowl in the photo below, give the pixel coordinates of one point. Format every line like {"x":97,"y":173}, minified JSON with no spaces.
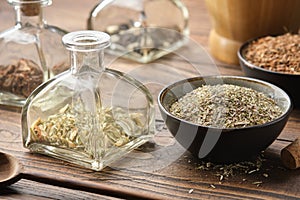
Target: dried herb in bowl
{"x":280,"y":53}
{"x":226,"y":106}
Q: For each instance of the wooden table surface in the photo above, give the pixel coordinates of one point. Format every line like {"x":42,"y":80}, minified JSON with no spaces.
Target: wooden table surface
{"x":161,"y":170}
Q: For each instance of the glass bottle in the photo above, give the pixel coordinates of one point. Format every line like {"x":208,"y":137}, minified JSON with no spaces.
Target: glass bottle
{"x":88,"y":115}
{"x":31,"y":52}
{"x":141,"y":30}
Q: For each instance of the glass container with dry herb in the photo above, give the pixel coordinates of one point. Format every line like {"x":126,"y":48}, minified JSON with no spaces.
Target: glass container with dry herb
{"x":30,"y":52}
{"x":88,"y":115}
{"x":142,"y":31}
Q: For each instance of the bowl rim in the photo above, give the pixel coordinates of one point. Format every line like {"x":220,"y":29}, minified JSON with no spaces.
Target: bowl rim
{"x":240,"y":54}
{"x":285,"y":113}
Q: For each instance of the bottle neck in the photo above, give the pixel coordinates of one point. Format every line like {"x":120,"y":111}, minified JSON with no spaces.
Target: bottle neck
{"x":87,"y":62}
{"x":29,"y":15}
{"x":87,"y":51}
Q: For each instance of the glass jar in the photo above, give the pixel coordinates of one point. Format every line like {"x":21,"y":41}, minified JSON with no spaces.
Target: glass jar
{"x":141,"y":30}
{"x":31,"y":52}
{"x":88,"y":115}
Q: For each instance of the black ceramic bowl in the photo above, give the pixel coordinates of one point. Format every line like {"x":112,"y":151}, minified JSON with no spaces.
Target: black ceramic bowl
{"x":223,"y":145}
{"x":288,"y":82}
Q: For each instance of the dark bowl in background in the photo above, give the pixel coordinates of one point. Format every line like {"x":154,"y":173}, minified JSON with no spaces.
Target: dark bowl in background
{"x":223,"y":145}
{"x":288,"y":82}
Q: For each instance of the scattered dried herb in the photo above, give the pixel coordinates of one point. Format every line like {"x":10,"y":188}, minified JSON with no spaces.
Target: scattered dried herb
{"x":226,"y":106}
{"x":226,"y":171}
{"x":279,"y":53}
{"x":257,"y":183}
{"x":191,"y":191}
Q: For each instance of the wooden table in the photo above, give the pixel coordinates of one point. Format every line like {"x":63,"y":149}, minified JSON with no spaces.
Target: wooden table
{"x":163,"y":170}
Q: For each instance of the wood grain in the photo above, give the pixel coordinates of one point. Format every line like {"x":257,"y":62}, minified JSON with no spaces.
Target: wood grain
{"x":161,"y":169}
{"x":173,"y":181}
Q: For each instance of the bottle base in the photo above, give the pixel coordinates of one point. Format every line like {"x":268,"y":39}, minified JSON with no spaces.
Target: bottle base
{"x":83,"y":159}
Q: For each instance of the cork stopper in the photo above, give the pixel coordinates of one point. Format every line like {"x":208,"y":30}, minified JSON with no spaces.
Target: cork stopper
{"x":290,"y":155}
{"x":30,"y":7}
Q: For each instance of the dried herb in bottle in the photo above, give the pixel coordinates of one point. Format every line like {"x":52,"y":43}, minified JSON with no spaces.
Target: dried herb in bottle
{"x":89,"y":115}
{"x":29,"y":52}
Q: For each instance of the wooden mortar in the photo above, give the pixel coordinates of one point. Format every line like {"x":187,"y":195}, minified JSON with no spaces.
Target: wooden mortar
{"x":236,"y":21}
